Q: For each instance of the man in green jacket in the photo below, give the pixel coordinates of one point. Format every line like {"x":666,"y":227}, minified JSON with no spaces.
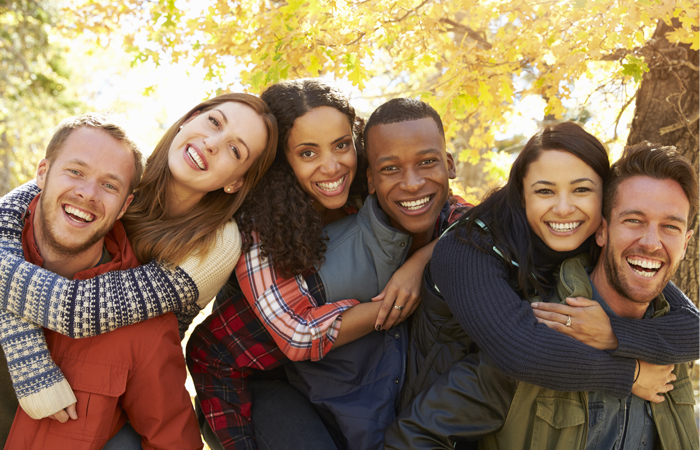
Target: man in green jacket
{"x":643,"y":238}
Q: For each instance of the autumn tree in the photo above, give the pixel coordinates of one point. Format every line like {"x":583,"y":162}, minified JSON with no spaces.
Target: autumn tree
{"x":474,"y":61}
{"x":32,"y":80}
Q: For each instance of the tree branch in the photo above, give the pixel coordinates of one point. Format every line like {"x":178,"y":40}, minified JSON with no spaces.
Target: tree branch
{"x":468,"y":31}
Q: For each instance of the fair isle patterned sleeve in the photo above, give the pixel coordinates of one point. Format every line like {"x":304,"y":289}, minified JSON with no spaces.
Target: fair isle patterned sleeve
{"x":101,"y":304}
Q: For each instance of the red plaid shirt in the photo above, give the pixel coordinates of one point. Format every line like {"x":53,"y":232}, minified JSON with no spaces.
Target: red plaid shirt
{"x":232,"y":343}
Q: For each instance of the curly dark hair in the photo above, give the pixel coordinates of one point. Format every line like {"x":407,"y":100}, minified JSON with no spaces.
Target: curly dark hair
{"x":278,"y":209}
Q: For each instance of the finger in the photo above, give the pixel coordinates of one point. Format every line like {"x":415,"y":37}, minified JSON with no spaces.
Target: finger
{"x":380,"y":296}
{"x":382,"y":315}
{"x":564,"y":310}
{"x":72,"y":411}
{"x":557,"y":326}
{"x":658,"y":399}
{"x":393,"y":318}
{"x":551,"y":316}
{"x":579,"y":302}
{"x":61,"y":416}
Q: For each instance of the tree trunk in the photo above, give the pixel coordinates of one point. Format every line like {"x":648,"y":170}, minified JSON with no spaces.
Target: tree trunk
{"x":666,"y":113}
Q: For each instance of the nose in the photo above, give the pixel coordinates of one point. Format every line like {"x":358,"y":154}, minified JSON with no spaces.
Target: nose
{"x":412,"y":181}
{"x":330,"y":165}
{"x":650,"y":240}
{"x":563,"y":206}
{"x":88,"y":190}
{"x":211,"y":144}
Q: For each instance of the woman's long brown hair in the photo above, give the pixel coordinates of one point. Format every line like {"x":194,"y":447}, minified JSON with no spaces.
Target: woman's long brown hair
{"x":155,"y":235}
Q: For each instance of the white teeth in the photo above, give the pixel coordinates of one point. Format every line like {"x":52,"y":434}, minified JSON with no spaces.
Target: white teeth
{"x":331,"y":186}
{"x":76,"y":212}
{"x":645,"y":263}
{"x":195,"y":157}
{"x":415,"y":204}
{"x":563,"y":227}
{"x":644,"y":274}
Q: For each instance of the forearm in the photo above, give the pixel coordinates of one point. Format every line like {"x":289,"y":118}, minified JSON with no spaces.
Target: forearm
{"x":476,"y":289}
{"x":40,"y":386}
{"x":671,"y":339}
{"x":357,"y":322}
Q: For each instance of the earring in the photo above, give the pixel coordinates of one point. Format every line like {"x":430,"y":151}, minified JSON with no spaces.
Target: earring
{"x":228,"y":189}
{"x":181,"y":126}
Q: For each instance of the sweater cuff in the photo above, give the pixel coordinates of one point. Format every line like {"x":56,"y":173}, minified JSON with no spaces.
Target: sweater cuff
{"x":48,"y":401}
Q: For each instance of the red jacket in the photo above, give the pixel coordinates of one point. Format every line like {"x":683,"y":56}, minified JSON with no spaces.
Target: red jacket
{"x":138,"y":370}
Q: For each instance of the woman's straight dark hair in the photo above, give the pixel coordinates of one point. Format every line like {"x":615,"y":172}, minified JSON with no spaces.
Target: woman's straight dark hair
{"x":503,"y":212}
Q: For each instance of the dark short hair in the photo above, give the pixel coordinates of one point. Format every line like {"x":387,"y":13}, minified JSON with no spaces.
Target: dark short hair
{"x":99,"y":121}
{"x":654,"y":161}
{"x":402,"y":110}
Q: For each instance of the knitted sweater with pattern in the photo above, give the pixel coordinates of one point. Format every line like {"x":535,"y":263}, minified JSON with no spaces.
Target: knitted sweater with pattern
{"x":31,"y":296}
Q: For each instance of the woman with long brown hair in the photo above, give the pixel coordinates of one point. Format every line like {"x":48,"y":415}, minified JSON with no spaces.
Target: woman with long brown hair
{"x":180,"y":225}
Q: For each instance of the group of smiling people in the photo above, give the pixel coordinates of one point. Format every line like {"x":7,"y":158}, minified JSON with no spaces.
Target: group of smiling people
{"x":361,"y":305}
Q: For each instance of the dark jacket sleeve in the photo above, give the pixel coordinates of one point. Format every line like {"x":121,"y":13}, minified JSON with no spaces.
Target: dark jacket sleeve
{"x":475,"y":286}
{"x":671,"y":339}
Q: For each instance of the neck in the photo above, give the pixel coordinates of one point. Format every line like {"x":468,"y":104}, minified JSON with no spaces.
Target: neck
{"x":621,"y":305}
{"x":420,"y":240}
{"x":181,"y":201}
{"x":65,"y":265}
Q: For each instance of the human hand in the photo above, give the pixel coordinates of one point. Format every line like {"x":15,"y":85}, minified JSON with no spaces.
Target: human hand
{"x":589,"y":322}
{"x":69,"y":412}
{"x":400,"y":297}
{"x":652,"y":380}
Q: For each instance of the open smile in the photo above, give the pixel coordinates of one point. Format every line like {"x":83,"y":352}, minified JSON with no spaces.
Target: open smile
{"x":644,"y":267}
{"x":78,"y":215}
{"x":195,"y":158}
{"x":333,"y":187}
{"x":564,"y":227}
{"x":416,"y":206}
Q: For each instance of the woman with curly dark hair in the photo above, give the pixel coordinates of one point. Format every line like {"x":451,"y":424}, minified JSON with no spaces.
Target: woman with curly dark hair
{"x":318,"y":177}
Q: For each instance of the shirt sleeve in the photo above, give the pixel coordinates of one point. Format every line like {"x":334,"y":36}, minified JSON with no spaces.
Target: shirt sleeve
{"x":40,"y":386}
{"x":671,"y":339}
{"x":475,"y":287}
{"x":302,"y":329}
{"x":82,"y":308}
{"x":155,"y":399}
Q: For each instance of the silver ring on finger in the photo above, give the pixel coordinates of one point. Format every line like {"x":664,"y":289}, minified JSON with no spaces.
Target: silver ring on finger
{"x":399,"y":307}
{"x":568,"y":321}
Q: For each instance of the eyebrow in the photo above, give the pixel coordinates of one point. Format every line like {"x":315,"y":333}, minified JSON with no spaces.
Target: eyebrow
{"x":576,"y":181}
{"x":636,"y":212}
{"x":109,"y":176}
{"x":238,"y":138}
{"x":313,"y":144}
{"x":384,"y":159}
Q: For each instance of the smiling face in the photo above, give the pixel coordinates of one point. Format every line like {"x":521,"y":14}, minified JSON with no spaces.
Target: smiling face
{"x":214,"y":149}
{"x":322,"y":155}
{"x":646,"y":237}
{"x":84,"y":191}
{"x":409,"y":170}
{"x":563,"y":199}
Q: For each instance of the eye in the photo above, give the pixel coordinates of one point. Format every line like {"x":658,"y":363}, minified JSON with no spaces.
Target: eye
{"x":74,"y":172}
{"x":389,"y":169}
{"x":544,"y":191}
{"x":672,"y":227}
{"x":427,"y":161}
{"x":110,"y":186}
{"x":235,"y":151}
{"x":307,"y":154}
{"x":582,"y":189}
{"x":214,"y":121}
{"x":345,"y":145}
{"x":632,"y":221}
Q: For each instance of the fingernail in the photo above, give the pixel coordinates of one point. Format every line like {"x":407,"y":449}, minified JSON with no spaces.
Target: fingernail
{"x":378,"y":328}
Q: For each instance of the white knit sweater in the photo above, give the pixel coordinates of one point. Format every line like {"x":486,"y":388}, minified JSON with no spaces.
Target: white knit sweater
{"x":30,"y":295}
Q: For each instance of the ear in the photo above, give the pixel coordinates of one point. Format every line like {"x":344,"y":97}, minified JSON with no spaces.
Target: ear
{"x":42,"y":171}
{"x":370,"y":181}
{"x":688,"y":234}
{"x":127,"y":202}
{"x":233,"y":187}
{"x":601,"y":234}
{"x":451,"y":170}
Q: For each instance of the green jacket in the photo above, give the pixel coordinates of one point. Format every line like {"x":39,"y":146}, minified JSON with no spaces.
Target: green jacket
{"x":544,"y":419}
